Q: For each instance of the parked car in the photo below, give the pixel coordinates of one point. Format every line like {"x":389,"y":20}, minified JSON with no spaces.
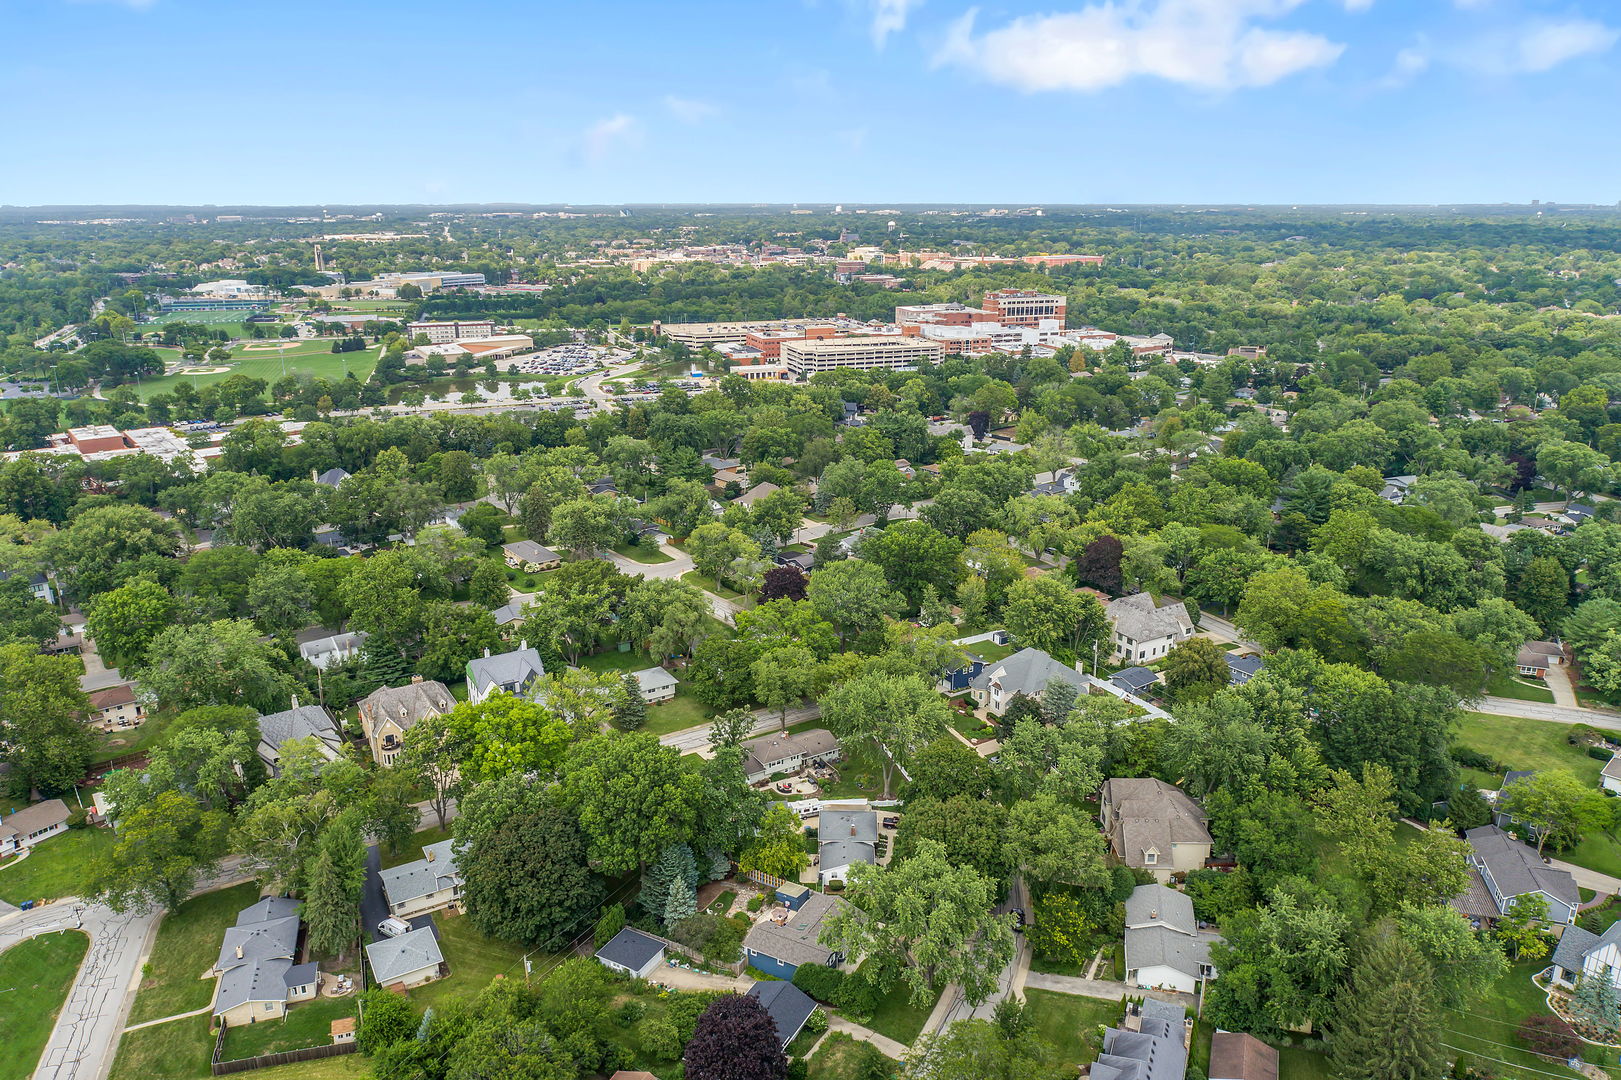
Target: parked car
{"x":892,"y":823}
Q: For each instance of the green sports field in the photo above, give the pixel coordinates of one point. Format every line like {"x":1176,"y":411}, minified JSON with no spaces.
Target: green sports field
{"x":313,"y":358}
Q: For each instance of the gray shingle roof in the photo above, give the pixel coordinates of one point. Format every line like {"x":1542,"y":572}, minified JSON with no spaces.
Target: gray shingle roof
{"x":244,"y":944}
{"x":795,"y":942}
{"x":775,"y":747}
{"x":270,"y":907}
{"x":391,"y":958}
{"x":529,"y":551}
{"x":1134,"y":679}
{"x":1140,"y":619}
{"x":1516,"y":868}
{"x":1154,"y":1053}
{"x":256,"y":956}
{"x":1027,"y":671}
{"x":788,"y":1006}
{"x":514,"y":670}
{"x":1158,"y":904}
{"x":654,"y":678}
{"x":413,"y":879}
{"x":31,"y":819}
{"x":303,"y":721}
{"x":1150,"y":814}
{"x":408,"y":704}
{"x":631,"y":949}
{"x":847,"y":837}
{"x":1574,"y":945}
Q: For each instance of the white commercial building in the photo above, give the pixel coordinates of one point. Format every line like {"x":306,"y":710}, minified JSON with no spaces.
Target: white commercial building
{"x":438,"y":333}
{"x":885,"y":352}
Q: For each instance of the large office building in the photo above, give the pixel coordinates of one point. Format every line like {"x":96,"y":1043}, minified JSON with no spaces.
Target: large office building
{"x":1024,"y":307}
{"x":212,"y":303}
{"x":805,"y":357}
{"x":439,"y":333}
{"x":697,"y":335}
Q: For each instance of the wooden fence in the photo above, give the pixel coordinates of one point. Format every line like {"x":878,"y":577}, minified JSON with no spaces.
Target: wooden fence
{"x":265,"y":1061}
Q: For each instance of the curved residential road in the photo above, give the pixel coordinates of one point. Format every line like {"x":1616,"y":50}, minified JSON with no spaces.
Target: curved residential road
{"x":82,"y":1044}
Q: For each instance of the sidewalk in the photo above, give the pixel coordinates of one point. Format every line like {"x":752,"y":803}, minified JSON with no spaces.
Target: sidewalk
{"x":883,"y":1042}
{"x":1097,"y":988}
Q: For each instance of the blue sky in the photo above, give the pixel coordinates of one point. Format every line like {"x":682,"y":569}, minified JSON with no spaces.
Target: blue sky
{"x":1086,"y":101}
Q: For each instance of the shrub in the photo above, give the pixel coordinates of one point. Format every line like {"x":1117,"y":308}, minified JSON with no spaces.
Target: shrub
{"x":631,"y":1011}
{"x":1474,"y":759}
{"x":660,"y":1038}
{"x":756,"y":903}
{"x":835,"y":886}
{"x":1600,"y":753}
{"x":718,"y":939}
{"x":611,"y":922}
{"x":821,"y":983}
{"x":1550,"y":1036}
{"x":856,"y":997}
{"x":816,"y":1022}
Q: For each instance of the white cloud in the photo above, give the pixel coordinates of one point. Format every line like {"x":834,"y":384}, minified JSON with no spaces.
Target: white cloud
{"x":1210,"y":44}
{"x":1409,"y":64}
{"x":600,"y":139}
{"x":1358,"y":5}
{"x":687,"y":110}
{"x":1536,"y":46}
{"x":1549,"y":44}
{"x":889,"y":17}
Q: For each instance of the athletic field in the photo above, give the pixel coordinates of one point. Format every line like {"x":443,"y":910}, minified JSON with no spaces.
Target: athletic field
{"x":312,"y":358}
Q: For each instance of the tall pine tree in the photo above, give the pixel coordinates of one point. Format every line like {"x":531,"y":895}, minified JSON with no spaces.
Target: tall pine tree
{"x":1388,"y":1025}
{"x":630,"y":710}
{"x":336,"y":876}
{"x":1595,"y":1006}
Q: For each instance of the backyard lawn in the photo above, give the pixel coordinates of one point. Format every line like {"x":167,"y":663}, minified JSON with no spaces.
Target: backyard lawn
{"x":35,"y":975}
{"x":898,"y":1018}
{"x":682,"y":712}
{"x":839,"y":1058}
{"x":1070,"y":1023}
{"x":303,"y":1026}
{"x":642,"y":553}
{"x":475,"y":961}
{"x":692,"y":577}
{"x":117,"y":743}
{"x":860,"y":775}
{"x":187,"y":944}
{"x":55,"y":868}
{"x":1487,"y":1029}
{"x":1299,"y":1063}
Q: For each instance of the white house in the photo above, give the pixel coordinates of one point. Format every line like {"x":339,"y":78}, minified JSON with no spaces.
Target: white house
{"x":1609,"y":777}
{"x":406,"y":961}
{"x":429,"y":884}
{"x":633,"y":953}
{"x":30,"y":825}
{"x":509,"y":673}
{"x":1583,"y":954}
{"x":656,"y":685}
{"x":1145,"y":631}
{"x":846,"y":837}
{"x":1026,"y":672}
{"x":1164,"y":946}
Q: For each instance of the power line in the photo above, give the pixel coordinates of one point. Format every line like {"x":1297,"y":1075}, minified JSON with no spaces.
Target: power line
{"x":1510,"y":1064}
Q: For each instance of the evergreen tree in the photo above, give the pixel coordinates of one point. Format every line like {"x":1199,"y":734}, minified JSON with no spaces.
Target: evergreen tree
{"x":1387,"y":1025}
{"x":1595,"y":1006}
{"x":337,"y":875}
{"x":934,"y":611}
{"x":682,"y":903}
{"x":630,"y":711}
{"x":381,"y":666}
{"x":674,"y":864}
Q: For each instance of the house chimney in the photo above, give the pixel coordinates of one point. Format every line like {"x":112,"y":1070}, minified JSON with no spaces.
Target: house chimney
{"x":239,"y":952}
{"x":1154,"y":913}
{"x":415,"y":679}
{"x":486,"y":652}
{"x":295,"y":701}
{"x":523,"y":643}
{"x":852,"y":828}
{"x":429,"y":853}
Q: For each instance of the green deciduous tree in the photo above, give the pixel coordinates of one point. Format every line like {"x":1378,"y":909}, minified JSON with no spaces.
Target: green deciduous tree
{"x":43,"y":737}
{"x":528,"y":881}
{"x":162,"y":852}
{"x":633,"y":797}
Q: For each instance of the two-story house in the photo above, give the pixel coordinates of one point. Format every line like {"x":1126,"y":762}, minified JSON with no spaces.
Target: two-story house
{"x":1584,"y":954}
{"x":1154,"y":826}
{"x":388,"y":713}
{"x":1502,"y":870}
{"x":1165,"y":949}
{"x":514,"y":672}
{"x":1026,"y":672}
{"x":299,"y":722}
{"x":1145,"y":631}
{"x":429,"y":884}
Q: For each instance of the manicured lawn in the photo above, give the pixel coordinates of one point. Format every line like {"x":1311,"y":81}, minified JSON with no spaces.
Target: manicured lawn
{"x":332,"y":1068}
{"x":1503,"y":684}
{"x":642,"y":553}
{"x":1298,"y":1063}
{"x":991,"y":652}
{"x":898,"y":1018}
{"x":1525,"y":744}
{"x":117,"y":743}
{"x":303,"y":1026}
{"x":187,"y":944}
{"x":1487,"y":1029}
{"x":802,"y":1043}
{"x":35,"y":975}
{"x":682,"y":712}
{"x":313,"y":358}
{"x":56,"y":867}
{"x":838,"y":1059}
{"x":692,"y":577}
{"x":412,"y":851}
{"x":178,"y":1050}
{"x":860,"y":775}
{"x":475,"y":960}
{"x":970,"y":725}
{"x":1070,"y":1023}
{"x":1599,"y":850}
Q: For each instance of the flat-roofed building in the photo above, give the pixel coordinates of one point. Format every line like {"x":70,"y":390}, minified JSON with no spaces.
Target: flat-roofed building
{"x":1024,"y":307}
{"x":714,"y":333}
{"x":440,"y":332}
{"x":871,"y":352}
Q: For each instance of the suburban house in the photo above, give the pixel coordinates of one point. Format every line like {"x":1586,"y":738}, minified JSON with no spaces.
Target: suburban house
{"x":30,"y":825}
{"x":507,"y":673}
{"x":1144,"y":630}
{"x":1154,"y":826}
{"x":787,"y":1005}
{"x":332,"y":477}
{"x":1237,"y":1055}
{"x":116,"y":706}
{"x":656,"y":685}
{"x":1582,"y":953}
{"x":1502,"y":869}
{"x":299,"y":722}
{"x":399,"y":963}
{"x":1396,"y":488}
{"x":1536,"y":657}
{"x":386,"y":714}
{"x":632,"y":953}
{"x":1026,"y":672}
{"x":429,"y":884}
{"x":38,"y":584}
{"x":1499,"y":818}
{"x":325,"y":652}
{"x":530,"y":557}
{"x":1165,"y":949}
{"x":777,"y":753}
{"x":1240,"y":670}
{"x":257,"y":969}
{"x":755,"y":494}
{"x":781,"y":948}
{"x":507,"y":614}
{"x":846,"y":837}
{"x":1609,"y":777}
{"x":1150,"y":1045}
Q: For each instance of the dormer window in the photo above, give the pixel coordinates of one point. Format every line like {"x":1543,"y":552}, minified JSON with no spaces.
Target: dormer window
{"x":1150,"y":858}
